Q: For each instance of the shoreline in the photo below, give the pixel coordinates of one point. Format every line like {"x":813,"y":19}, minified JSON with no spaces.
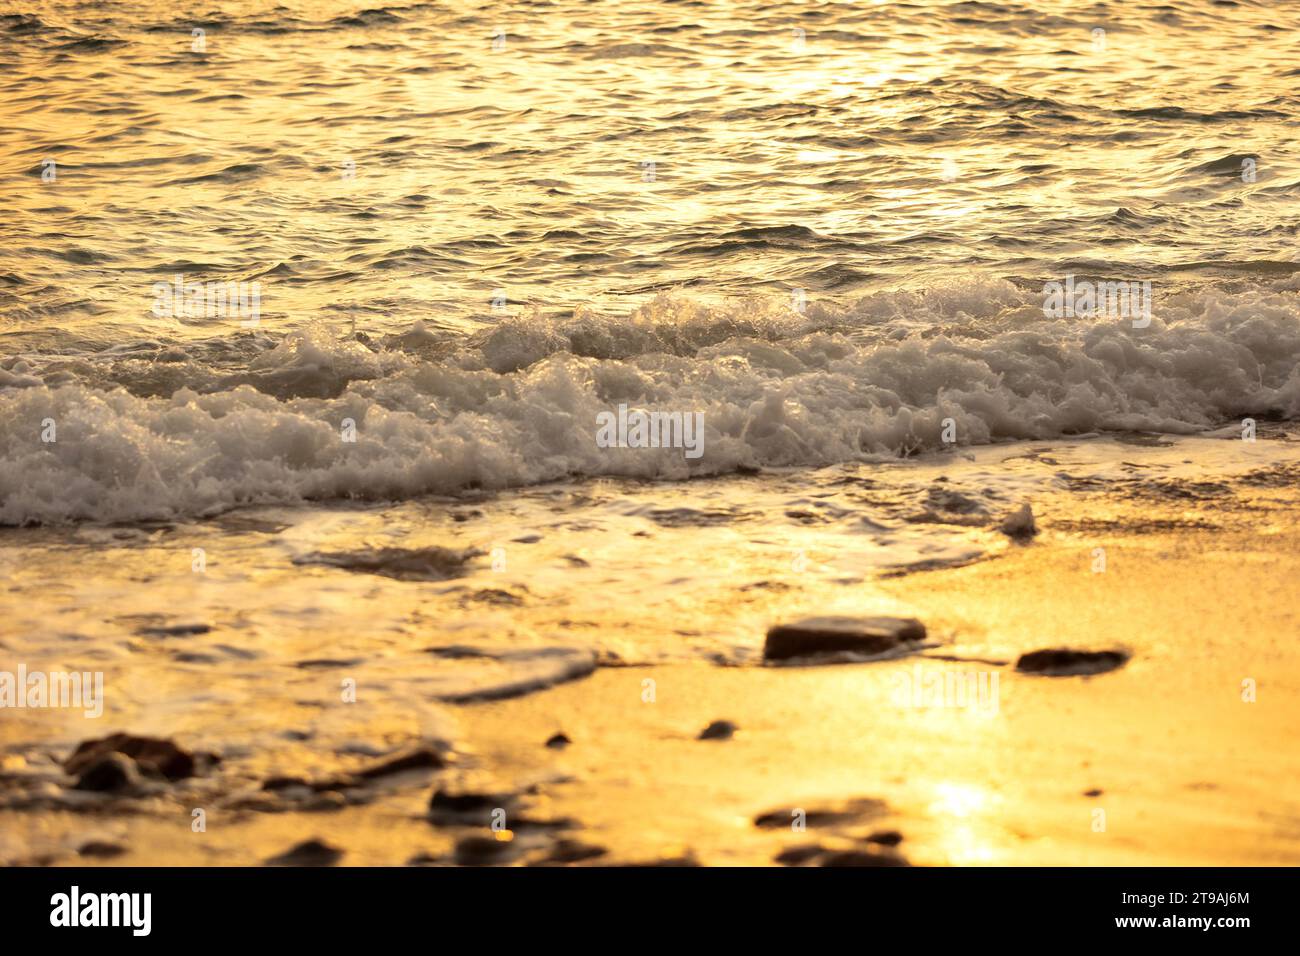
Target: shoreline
{"x":1184,"y":770}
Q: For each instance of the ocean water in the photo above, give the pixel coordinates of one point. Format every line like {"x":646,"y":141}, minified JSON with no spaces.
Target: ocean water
{"x":468,"y":230}
{"x":474,"y":227}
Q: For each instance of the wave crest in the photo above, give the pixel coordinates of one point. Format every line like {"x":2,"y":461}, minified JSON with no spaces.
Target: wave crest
{"x":517,"y":405}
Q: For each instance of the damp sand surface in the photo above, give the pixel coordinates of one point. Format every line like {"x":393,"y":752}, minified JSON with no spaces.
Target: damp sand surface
{"x":618,"y":620}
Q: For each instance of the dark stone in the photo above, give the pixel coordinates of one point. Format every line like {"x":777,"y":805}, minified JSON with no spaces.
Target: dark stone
{"x":308,"y":853}
{"x":1066,"y":662}
{"x":718,"y":730}
{"x":833,"y":635}
{"x":101,"y":849}
{"x":1094,"y":792}
{"x":559,"y":741}
{"x":886,"y":838}
{"x":110,"y":773}
{"x":152,"y":755}
{"x":422,"y":758}
{"x":1020,"y":525}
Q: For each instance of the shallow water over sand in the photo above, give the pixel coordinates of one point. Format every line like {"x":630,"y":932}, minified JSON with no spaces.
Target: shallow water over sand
{"x":474,"y":229}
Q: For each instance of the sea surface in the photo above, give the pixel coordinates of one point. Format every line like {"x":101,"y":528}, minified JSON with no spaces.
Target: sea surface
{"x":474,"y":227}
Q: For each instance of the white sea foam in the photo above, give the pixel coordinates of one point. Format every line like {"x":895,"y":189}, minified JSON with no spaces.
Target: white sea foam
{"x":518,"y":405}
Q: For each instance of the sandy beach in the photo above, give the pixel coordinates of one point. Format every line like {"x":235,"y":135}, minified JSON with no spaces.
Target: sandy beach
{"x":560,"y":433}
{"x":1184,"y":766}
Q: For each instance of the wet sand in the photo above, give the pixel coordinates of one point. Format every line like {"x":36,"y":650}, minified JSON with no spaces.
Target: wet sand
{"x":1187,"y":772}
{"x":1198,"y":588}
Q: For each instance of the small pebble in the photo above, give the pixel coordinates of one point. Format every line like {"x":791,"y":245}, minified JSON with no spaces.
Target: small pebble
{"x":718,"y":730}
{"x":101,"y":849}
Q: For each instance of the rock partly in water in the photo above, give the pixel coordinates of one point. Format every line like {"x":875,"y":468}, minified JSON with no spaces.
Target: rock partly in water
{"x":1067,"y":662}
{"x":1020,"y":524}
{"x":308,"y":853}
{"x":109,"y":773}
{"x":154,"y":756}
{"x":837,"y":635}
{"x":718,"y":730}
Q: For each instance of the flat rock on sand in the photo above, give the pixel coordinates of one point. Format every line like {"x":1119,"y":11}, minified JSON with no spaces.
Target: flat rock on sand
{"x":152,"y":755}
{"x":835,"y":635}
{"x":1067,"y":662}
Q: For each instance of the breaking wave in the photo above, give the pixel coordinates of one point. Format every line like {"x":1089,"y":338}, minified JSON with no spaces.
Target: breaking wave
{"x":176,"y":435}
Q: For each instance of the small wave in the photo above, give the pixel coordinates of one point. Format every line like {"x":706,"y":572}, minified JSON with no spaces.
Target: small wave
{"x":518,"y":404}
{"x":1230,"y":165}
